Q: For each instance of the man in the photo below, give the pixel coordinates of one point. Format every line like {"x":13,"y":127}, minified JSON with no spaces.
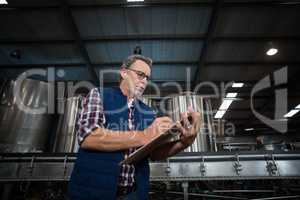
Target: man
{"x":112,"y":124}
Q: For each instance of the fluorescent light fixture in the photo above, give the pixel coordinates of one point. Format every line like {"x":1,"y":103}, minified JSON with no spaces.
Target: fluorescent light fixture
{"x":298,"y":107}
{"x":225,"y":104}
{"x":220,"y":114}
{"x":237,"y":85}
{"x":231,"y":95}
{"x":135,"y":0}
{"x":249,"y":129}
{"x":272,"y":52}
{"x":291,"y":113}
{"x":3,"y":2}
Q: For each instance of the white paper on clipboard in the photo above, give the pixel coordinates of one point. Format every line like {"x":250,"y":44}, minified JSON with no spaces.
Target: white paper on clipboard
{"x":144,"y":151}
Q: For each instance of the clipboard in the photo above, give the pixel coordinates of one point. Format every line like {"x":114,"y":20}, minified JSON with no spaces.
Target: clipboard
{"x":171,"y":135}
{"x":167,"y":137}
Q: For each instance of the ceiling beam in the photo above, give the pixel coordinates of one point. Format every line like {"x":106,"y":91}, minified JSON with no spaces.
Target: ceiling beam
{"x":252,"y":63}
{"x":108,"y":4}
{"x":209,"y":35}
{"x":255,"y":38}
{"x":74,"y":29}
{"x":103,"y":64}
{"x":116,"y":38}
{"x":156,"y":37}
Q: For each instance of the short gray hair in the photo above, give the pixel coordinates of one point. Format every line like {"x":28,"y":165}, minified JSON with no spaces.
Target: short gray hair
{"x":132,"y":58}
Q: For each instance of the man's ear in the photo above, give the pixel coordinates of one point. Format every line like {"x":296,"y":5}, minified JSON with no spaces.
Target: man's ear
{"x":123,"y":73}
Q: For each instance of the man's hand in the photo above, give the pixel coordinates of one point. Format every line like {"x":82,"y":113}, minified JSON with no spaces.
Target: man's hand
{"x":189,"y":130}
{"x":159,"y":126}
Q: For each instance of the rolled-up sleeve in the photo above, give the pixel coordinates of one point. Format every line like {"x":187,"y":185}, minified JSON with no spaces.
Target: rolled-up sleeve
{"x":91,"y":115}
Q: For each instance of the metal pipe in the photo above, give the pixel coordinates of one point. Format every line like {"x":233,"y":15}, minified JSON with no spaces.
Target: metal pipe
{"x":207,"y":195}
{"x":281,"y":197}
{"x":243,"y":191}
{"x":185,"y":187}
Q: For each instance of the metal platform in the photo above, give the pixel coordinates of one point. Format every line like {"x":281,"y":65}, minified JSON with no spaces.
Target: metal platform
{"x":185,"y":167}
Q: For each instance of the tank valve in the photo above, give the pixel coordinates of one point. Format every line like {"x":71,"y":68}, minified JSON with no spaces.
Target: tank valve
{"x":272,"y":166}
{"x":237,"y":165}
{"x":202,"y":167}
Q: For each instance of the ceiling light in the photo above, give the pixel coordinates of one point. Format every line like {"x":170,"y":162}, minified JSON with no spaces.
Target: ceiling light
{"x":225,"y":104}
{"x":237,"y":85}
{"x":3,"y":2}
{"x":220,"y":114}
{"x":298,"y":107}
{"x":135,"y":0}
{"x":249,"y":129}
{"x":272,"y":52}
{"x":291,"y":113}
{"x":231,"y":95}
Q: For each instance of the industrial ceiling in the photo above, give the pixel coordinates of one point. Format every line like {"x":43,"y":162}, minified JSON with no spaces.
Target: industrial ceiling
{"x":218,"y":41}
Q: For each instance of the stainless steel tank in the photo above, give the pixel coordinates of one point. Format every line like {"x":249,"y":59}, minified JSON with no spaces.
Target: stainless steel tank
{"x":66,"y":139}
{"x":24,"y":130}
{"x":206,"y":138}
{"x":174,"y":105}
{"x":148,"y":101}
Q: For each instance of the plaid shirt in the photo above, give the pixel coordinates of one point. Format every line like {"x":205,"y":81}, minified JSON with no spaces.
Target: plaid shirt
{"x":92,"y":117}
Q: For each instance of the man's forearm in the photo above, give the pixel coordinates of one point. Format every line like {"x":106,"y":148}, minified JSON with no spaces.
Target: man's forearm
{"x":167,"y":150}
{"x":107,"y":140}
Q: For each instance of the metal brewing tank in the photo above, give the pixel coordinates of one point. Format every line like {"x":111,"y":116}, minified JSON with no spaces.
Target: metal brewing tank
{"x":66,"y":139}
{"x":206,"y":138}
{"x":24,"y":130}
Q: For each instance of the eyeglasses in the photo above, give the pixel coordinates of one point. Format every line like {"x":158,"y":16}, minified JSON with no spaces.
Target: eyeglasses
{"x":141,"y":75}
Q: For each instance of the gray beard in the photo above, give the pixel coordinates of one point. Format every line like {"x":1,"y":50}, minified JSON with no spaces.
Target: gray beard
{"x":136,"y":93}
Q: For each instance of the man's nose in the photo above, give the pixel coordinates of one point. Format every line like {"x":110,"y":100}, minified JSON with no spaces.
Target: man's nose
{"x":144,"y":81}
